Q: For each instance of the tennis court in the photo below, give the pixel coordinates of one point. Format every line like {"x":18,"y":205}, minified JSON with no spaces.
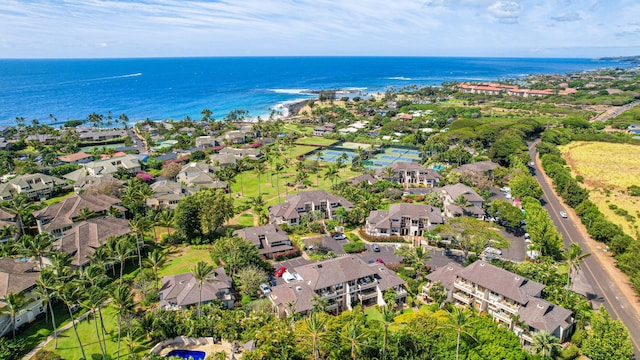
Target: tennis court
{"x":389,"y":156}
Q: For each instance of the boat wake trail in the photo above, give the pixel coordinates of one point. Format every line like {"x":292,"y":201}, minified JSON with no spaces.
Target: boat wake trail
{"x":102,"y":78}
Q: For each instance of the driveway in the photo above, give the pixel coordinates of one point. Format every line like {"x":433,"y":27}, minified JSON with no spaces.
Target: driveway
{"x":328,"y":243}
{"x":385,"y":253}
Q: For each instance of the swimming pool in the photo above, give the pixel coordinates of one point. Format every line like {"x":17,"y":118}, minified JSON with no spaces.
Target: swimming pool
{"x":187,"y":354}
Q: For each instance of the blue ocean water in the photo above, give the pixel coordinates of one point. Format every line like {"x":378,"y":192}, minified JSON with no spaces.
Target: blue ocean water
{"x":164,"y":88}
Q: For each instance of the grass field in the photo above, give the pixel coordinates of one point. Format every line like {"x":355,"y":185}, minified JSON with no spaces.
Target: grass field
{"x":315,"y":140}
{"x":608,"y":170}
{"x":182,"y":259}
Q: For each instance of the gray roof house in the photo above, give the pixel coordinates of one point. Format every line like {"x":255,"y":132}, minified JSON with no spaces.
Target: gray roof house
{"x":11,"y":220}
{"x":473,"y":206}
{"x":81,"y":241}
{"x":300,"y":204}
{"x":403,"y":219}
{"x":167,"y":194}
{"x":504,"y":295}
{"x":365,"y":178}
{"x":35,"y":186}
{"x":19,"y":277}
{"x":91,"y":181}
{"x":182,"y":290}
{"x":410,"y":174}
{"x":342,"y":282}
{"x":251,"y":154}
{"x":269,"y":239}
{"x":477,"y":167}
{"x":60,"y":217}
{"x":106,"y":166}
{"x":200,"y":175}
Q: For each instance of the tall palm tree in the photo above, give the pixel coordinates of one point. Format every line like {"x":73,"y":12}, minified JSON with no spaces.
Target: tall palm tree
{"x":48,"y":283}
{"x":545,"y":345}
{"x":166,"y":219}
{"x":279,"y":168}
{"x":201,"y":272}
{"x":69,"y":294}
{"x":241,"y":165}
{"x":460,"y":320}
{"x":14,"y":302}
{"x":37,"y":246}
{"x":574,"y":257}
{"x":121,"y":250}
{"x":315,"y":328}
{"x":355,"y":334}
{"x":260,"y":168}
{"x":387,"y":319}
{"x":123,"y":302}
{"x":414,"y":256}
{"x":139,"y":225}
{"x":332,"y":173}
{"x":155,"y":260}
{"x":93,"y":298}
{"x":85,"y":214}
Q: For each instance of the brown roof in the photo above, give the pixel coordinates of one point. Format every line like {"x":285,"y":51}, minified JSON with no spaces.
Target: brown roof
{"x":368,"y":178}
{"x":446,"y":275}
{"x":16,"y":277}
{"x":64,"y":213}
{"x":455,"y":191}
{"x":183,"y":289}
{"x":83,"y":240}
{"x":264,"y":237}
{"x":502,"y":282}
{"x":287,"y":210}
{"x":381,"y":218}
{"x":480,"y":166}
{"x":543,"y":315}
{"x":75,"y":157}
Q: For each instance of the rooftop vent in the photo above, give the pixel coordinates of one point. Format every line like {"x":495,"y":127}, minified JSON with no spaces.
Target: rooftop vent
{"x":298,"y":288}
{"x":319,"y":266}
{"x":517,"y":278}
{"x":482,"y":264}
{"x":540,"y":306}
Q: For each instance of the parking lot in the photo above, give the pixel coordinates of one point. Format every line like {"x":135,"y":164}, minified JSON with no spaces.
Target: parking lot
{"x":328,"y":243}
{"x":385,"y":253}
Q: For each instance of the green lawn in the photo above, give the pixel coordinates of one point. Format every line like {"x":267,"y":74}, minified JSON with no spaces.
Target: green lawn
{"x":373,"y":313}
{"x":300,"y":150}
{"x":306,"y":130}
{"x":182,"y":259}
{"x":57,"y":199}
{"x":316,"y":140}
{"x":246,"y":219}
{"x":68,"y":347}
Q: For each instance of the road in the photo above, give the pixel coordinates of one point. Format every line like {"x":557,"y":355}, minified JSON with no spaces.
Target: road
{"x":598,"y":283}
{"x":615,"y":111}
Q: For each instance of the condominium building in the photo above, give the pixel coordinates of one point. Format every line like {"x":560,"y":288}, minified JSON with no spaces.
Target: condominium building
{"x":306,"y":202}
{"x":409,"y":174}
{"x":403,"y":219}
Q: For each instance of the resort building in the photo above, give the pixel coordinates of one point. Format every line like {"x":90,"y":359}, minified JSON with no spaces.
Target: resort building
{"x":403,"y":219}
{"x":81,"y":241}
{"x":409,"y":174}
{"x":305,"y":203}
{"x":76,"y":158}
{"x":505,"y":296}
{"x":97,"y":136}
{"x":251,"y":154}
{"x":167,"y":194}
{"x":85,"y":183}
{"x":342,"y":282}
{"x":10,"y":225}
{"x":19,"y":277}
{"x":108,"y":166}
{"x":34,"y":186}
{"x":480,"y":167}
{"x":181,"y":291}
{"x":199,"y":175}
{"x":327,"y":128}
{"x":269,"y":239}
{"x":56,"y":219}
{"x":452,"y":199}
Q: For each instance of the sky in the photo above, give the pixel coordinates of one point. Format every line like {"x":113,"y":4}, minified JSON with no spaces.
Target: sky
{"x":176,"y":28}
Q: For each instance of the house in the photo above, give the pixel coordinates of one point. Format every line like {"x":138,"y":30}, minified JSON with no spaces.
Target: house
{"x":452,"y":195}
{"x":96,"y":136}
{"x":34,"y":186}
{"x":325,"y":129}
{"x":200,"y":175}
{"x":222,"y":160}
{"x":19,"y":277}
{"x":10,"y":225}
{"x":76,"y":158}
{"x":403,"y":219}
{"x":269,"y":239}
{"x":91,"y":181}
{"x":206,"y":141}
{"x":128,"y":162}
{"x":480,"y":167}
{"x":234,"y":137}
{"x":5,"y":144}
{"x":342,"y":282}
{"x":167,"y":194}
{"x":81,"y":241}
{"x":181,"y":291}
{"x":46,"y":139}
{"x":306,"y":202}
{"x":60,"y":217}
{"x":410,"y":174}
{"x":506,"y":297}
{"x":365,"y":178}
{"x":251,"y":154}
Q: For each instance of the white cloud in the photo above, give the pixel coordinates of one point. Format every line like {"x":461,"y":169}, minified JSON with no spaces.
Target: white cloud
{"x":505,"y":11}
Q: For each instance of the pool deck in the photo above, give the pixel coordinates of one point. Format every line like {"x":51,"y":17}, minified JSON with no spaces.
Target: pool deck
{"x":209,"y":349}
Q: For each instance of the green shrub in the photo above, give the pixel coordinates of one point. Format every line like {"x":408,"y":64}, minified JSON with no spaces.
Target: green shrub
{"x":47,"y":355}
{"x":570,"y":353}
{"x":634,"y":190}
{"x":44,"y":332}
{"x":353,"y":247}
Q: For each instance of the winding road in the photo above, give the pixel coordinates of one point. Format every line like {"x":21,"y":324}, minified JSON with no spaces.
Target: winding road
{"x":599,"y":280}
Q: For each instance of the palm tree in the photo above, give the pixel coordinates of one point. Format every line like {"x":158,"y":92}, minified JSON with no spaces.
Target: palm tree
{"x":37,"y":246}
{"x":315,"y":328}
{"x":387,"y":319}
{"x":155,"y":260}
{"x":201,"y":272}
{"x":166,"y":219}
{"x":94,"y":296}
{"x":121,"y":250}
{"x":13,"y":303}
{"x":139,"y":225}
{"x":48,"y":283}
{"x":388,"y":173}
{"x":241,"y":165}
{"x":415,"y":256}
{"x":278,"y":170}
{"x":545,"y":345}
{"x":123,"y":302}
{"x":460,"y":320}
{"x":69,"y":294}
{"x":260,"y":168}
{"x":85,"y":214}
{"x":574,"y":257}
{"x":331,"y":174}
{"x":355,"y":335}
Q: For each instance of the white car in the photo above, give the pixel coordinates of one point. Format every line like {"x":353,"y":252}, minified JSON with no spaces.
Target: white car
{"x":289,"y":277}
{"x":265,"y":288}
{"x":563,"y":214}
{"x":492,"y":250}
{"x":507,"y":196}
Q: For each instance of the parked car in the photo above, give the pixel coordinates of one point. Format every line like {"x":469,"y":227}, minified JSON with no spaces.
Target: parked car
{"x":563,"y":214}
{"x":289,"y":277}
{"x":339,"y":236}
{"x":379,"y":260}
{"x":492,"y":250}
{"x":447,"y":252}
{"x":375,"y":247}
{"x":280,"y":271}
{"x":273,"y":282}
{"x":264,"y":287}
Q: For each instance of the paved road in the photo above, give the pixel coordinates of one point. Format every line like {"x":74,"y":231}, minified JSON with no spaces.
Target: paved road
{"x":611,"y":113}
{"x":598,"y":283}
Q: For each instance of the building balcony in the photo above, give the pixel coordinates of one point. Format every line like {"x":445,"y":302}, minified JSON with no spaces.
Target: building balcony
{"x":328,"y":295}
{"x":510,"y":307}
{"x":463,"y":285}
{"x":367,"y":296}
{"x":462,"y":298}
{"x":367,"y":284}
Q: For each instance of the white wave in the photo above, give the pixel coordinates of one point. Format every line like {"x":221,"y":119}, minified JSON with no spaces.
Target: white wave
{"x":399,"y":78}
{"x":102,"y":78}
{"x":290,"y":91}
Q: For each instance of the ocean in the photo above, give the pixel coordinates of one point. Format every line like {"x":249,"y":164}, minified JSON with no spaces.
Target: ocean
{"x":173,"y":88}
